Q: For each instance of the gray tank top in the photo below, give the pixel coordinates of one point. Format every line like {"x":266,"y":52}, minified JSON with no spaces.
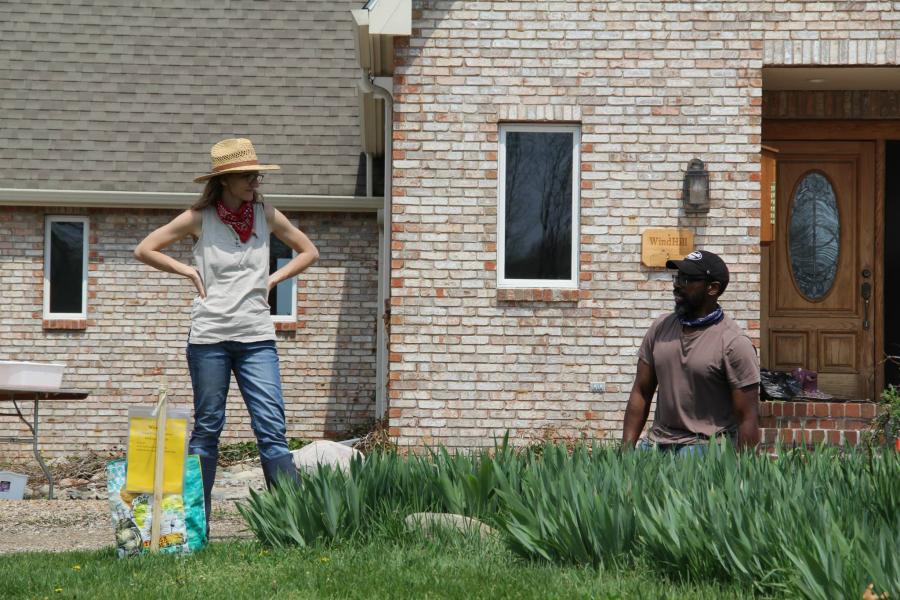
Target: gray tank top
{"x":236,"y":277}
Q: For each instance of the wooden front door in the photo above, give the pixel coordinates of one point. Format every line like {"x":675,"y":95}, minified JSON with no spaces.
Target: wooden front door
{"x":819,"y":273}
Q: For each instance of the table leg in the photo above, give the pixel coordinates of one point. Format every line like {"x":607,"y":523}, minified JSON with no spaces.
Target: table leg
{"x":37,"y":452}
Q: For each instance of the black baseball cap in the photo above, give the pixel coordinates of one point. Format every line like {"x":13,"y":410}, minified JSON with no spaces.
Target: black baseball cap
{"x":702,"y":263}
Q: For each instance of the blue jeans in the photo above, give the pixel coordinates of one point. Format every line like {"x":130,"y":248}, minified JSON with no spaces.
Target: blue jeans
{"x":679,"y":449}
{"x":255,"y":367}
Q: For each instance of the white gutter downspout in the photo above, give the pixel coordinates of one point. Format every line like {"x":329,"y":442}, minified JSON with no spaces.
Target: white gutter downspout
{"x":384,"y":249}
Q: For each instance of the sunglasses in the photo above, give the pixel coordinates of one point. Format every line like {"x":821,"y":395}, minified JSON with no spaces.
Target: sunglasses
{"x":680,"y":279}
{"x":252,"y":176}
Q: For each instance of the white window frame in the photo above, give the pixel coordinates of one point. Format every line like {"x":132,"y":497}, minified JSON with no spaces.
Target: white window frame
{"x":291,"y":318}
{"x":502,"y":281}
{"x":48,"y":221}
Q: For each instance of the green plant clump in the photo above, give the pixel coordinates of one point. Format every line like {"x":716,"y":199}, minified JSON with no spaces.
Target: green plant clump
{"x":884,"y":430}
{"x":816,"y":523}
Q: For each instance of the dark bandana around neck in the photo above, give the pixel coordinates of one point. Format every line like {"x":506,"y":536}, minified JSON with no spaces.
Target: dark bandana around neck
{"x":240,"y":220}
{"x":710,"y":319}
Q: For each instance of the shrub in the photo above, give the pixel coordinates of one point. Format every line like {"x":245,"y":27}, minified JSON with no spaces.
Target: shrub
{"x":884,"y":429}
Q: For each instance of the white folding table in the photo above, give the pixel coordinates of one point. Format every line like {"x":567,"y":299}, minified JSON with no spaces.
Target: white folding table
{"x":36,"y":398}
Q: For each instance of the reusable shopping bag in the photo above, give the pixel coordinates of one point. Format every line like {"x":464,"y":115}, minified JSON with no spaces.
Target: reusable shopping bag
{"x":183,"y":516}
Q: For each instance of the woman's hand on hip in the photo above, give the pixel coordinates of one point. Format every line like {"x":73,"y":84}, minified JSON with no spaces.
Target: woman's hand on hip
{"x":195,"y":278}
{"x":149,"y":251}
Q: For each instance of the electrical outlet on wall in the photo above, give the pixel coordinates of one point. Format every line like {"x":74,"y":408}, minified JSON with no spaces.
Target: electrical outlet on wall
{"x":598,"y":387}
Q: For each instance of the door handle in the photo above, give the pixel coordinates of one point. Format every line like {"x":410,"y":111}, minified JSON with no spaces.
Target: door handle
{"x":866,"y":292}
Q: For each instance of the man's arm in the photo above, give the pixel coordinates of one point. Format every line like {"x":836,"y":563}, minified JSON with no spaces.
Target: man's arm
{"x":638,"y":407}
{"x":746,"y":408}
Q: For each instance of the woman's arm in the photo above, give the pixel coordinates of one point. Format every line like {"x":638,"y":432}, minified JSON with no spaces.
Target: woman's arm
{"x":285,"y":231}
{"x":149,"y":250}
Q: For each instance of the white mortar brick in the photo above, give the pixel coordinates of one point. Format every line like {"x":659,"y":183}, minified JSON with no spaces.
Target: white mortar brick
{"x":138,"y":321}
{"x":653,"y":86}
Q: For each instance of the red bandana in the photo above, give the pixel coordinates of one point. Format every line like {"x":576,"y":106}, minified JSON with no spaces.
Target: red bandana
{"x":240,"y":220}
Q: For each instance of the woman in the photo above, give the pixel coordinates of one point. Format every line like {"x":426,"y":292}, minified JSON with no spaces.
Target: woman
{"x":231,"y":327}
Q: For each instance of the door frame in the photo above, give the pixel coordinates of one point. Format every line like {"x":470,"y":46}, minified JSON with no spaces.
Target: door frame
{"x":874,"y":130}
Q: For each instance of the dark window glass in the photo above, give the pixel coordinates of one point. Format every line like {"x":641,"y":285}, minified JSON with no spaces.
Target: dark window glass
{"x":66,"y":267}
{"x":280,"y":298}
{"x":814,"y":236}
{"x":538,"y":205}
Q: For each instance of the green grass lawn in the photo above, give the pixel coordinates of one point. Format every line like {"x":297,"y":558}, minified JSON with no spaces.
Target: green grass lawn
{"x":411,"y":567}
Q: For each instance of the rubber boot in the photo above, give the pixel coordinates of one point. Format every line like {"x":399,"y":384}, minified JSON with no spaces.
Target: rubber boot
{"x":208,"y":470}
{"x":280,"y":468}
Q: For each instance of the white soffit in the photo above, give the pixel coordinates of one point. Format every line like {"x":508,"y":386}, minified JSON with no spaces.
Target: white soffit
{"x":831,"y":78}
{"x":104,"y":199}
{"x":390,"y":17}
{"x":376,"y":26}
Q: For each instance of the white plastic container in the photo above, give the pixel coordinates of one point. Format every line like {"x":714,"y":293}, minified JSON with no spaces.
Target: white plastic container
{"x":35,"y":377}
{"x":12,"y":485}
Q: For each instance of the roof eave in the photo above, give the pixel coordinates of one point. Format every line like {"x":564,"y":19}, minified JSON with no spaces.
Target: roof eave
{"x":172,"y":200}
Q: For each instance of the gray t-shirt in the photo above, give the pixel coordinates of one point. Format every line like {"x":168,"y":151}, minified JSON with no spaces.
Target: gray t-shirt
{"x":236,"y":276}
{"x":697,"y":373}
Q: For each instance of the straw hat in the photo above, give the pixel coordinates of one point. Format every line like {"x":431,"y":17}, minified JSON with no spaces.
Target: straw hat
{"x":234,"y":156}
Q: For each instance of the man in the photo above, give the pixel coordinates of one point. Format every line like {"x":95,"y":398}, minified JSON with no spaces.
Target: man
{"x":704,"y":365}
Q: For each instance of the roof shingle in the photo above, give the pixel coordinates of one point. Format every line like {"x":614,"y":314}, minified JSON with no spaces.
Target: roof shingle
{"x":130,"y":96}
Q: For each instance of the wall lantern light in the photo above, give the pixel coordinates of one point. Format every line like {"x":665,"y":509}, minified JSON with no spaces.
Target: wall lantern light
{"x":695,"y":193}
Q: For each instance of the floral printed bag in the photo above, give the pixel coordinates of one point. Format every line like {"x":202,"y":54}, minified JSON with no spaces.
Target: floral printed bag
{"x":183,"y":525}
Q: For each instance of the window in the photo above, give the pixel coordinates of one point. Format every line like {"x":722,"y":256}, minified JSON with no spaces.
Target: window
{"x":539,"y":185}
{"x":65,"y":267}
{"x":283,"y":297}
{"x":814,"y":236}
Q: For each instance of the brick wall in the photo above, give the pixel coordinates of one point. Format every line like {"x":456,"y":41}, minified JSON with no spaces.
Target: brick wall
{"x":652,"y":85}
{"x":808,"y":423}
{"x":138,"y":321}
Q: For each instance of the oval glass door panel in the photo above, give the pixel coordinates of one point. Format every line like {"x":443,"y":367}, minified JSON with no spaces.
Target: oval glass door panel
{"x":814,"y":236}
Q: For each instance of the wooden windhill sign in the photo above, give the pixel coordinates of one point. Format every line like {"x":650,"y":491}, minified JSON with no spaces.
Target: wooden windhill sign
{"x":660,"y":245}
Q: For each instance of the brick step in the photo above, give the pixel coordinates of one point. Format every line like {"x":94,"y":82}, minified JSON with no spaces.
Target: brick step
{"x":811,"y":422}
